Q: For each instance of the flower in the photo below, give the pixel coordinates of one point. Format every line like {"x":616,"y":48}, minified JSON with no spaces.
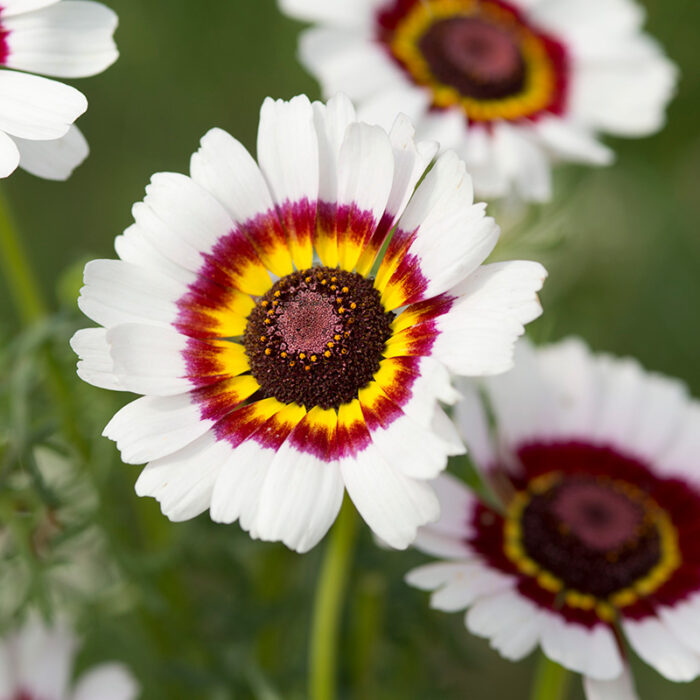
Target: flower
{"x":512,"y":85}
{"x":595,"y":461}
{"x":61,"y":38}
{"x":36,"y":663}
{"x":276,"y":370}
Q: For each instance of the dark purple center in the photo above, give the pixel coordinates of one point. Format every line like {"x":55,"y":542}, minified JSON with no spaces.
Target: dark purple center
{"x":317,"y":337}
{"x":308,"y":322}
{"x":592,"y":534}
{"x":479,"y":58}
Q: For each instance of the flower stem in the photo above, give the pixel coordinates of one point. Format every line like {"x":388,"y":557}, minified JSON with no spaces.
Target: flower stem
{"x":551,"y":681}
{"x":18,"y":273}
{"x":328,"y":604}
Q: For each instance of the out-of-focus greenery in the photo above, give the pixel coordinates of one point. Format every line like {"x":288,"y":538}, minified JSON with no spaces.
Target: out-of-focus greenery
{"x":199,"y":610}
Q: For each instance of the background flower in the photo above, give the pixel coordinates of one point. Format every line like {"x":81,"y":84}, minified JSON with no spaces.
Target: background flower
{"x":36,"y":664}
{"x":512,"y":86}
{"x":60,"y":38}
{"x":594,"y":462}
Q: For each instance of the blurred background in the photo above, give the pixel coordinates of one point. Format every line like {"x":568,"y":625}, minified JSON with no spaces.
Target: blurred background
{"x":198,"y":610}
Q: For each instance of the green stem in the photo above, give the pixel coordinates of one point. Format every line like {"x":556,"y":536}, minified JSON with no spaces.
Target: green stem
{"x":328,"y":604}
{"x":551,"y":681}
{"x":18,"y":272}
{"x":32,"y":308}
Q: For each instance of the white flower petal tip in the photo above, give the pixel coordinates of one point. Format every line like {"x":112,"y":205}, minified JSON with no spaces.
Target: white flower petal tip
{"x":620,"y":688}
{"x":571,"y":73}
{"x":276,"y":370}
{"x":64,"y":39}
{"x":36,"y":660}
{"x":569,"y":433}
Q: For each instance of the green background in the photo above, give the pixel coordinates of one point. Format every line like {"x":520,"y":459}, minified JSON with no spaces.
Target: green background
{"x":211,"y":614}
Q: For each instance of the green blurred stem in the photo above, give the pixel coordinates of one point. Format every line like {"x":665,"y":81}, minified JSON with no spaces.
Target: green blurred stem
{"x":25,"y":290}
{"x":17,"y":270}
{"x":551,"y":680}
{"x":328,"y":605}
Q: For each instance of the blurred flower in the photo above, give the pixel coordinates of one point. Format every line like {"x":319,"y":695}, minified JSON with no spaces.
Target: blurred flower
{"x":274,"y":379}
{"x":512,"y":86}
{"x":36,"y":663}
{"x":61,"y":38}
{"x":596,"y":463}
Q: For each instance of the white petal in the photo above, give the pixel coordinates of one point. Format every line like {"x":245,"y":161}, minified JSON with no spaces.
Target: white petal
{"x":523,"y":162}
{"x":593,"y":652}
{"x":183,"y":482}
{"x":9,"y":155}
{"x":118,"y":292}
{"x":348,"y":61}
{"x":420,"y":453}
{"x":652,"y":640}
{"x":639,"y":412}
{"x":44,"y":656}
{"x":457,"y":505}
{"x":67,"y":39}
{"x":468,"y":585}
{"x":37,"y":108}
{"x":432,"y":576}
{"x":237,"y":488}
{"x":340,"y":12}
{"x":223,"y":166}
{"x":16,"y":7}
{"x":410,"y":162}
{"x":110,"y":681}
{"x":448,"y":127}
{"x":365,"y":169}
{"x":628,"y":98}
{"x":510,"y":621}
{"x":182,"y":219}
{"x":572,"y":142}
{"x":299,"y":499}
{"x":486,"y":169}
{"x":571,"y":16}
{"x":401,"y":96}
{"x":148,"y":359}
{"x":152,"y":427}
{"x":288,"y":149}
{"x":620,"y":688}
{"x":681,"y":456}
{"x":332,"y":121}
{"x":452,"y":235}
{"x":393,"y":505}
{"x":478,"y":333}
{"x":472,"y":422}
{"x":95,"y":365}
{"x":55,"y":159}
{"x":134,"y":247}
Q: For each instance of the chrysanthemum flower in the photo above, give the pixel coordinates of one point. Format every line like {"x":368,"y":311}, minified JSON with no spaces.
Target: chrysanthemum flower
{"x":512,"y":85}
{"x":60,"y":38}
{"x":595,"y":461}
{"x":36,"y":664}
{"x":276,"y":368}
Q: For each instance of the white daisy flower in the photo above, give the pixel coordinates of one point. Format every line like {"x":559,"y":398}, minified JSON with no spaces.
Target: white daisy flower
{"x":36,"y":663}
{"x":511,"y":85}
{"x":596,"y":463}
{"x":60,"y":38}
{"x":276,"y":370}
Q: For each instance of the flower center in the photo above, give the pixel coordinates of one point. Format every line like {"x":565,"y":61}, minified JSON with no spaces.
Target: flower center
{"x":477,"y":57}
{"x":317,"y":337}
{"x":597,"y":535}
